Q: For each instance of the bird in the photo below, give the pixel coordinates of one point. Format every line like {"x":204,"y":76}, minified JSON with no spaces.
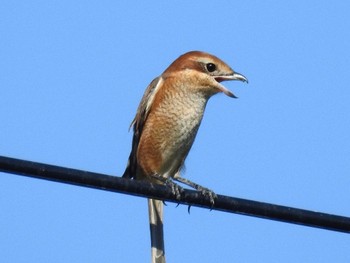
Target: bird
{"x":165,"y":127}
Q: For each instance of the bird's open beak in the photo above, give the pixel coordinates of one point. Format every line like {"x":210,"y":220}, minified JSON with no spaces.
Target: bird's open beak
{"x":234,"y":76}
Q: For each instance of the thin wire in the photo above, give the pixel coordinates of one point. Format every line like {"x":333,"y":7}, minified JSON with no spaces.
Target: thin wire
{"x":188,"y":197}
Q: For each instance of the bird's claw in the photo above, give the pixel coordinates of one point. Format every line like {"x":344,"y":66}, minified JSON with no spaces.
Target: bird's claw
{"x":189,"y":209}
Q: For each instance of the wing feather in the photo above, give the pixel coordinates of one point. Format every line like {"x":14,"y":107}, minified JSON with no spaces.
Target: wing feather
{"x":138,"y":123}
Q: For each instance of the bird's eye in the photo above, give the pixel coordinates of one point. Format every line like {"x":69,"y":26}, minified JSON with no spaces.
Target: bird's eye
{"x":211,"y":67}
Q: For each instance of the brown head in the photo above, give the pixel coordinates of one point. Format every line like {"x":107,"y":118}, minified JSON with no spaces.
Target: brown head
{"x":209,"y":70}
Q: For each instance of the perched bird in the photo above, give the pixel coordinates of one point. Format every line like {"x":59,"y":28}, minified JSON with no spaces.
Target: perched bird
{"x":166,"y":124}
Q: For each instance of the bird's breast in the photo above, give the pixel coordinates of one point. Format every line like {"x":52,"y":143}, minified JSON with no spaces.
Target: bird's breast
{"x":170,"y":130}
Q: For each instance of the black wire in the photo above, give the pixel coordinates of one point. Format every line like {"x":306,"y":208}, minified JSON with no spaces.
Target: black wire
{"x":188,"y":197}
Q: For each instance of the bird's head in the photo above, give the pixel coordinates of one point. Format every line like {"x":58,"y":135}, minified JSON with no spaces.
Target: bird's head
{"x":206,"y":70}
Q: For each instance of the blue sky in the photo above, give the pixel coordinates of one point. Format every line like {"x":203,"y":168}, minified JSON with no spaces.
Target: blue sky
{"x":72,"y":75}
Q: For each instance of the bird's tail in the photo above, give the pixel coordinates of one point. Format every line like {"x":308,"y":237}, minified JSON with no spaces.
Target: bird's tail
{"x":155,"y":211}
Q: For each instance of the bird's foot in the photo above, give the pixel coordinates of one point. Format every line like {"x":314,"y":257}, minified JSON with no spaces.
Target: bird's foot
{"x":207,"y":193}
{"x":204,"y":191}
{"x":175,"y":188}
{"x":168,"y":182}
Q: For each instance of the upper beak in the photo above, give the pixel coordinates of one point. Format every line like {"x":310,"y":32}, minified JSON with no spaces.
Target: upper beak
{"x":234,"y":76}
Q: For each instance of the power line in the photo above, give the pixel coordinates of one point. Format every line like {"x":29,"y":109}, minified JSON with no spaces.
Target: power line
{"x":188,"y":197}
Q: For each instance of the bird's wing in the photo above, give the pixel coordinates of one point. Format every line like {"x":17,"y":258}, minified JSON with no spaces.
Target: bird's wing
{"x":138,"y":123}
{"x":146,"y":104}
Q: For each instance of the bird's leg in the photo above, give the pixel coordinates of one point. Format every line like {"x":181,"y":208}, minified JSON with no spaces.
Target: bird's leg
{"x":204,"y":191}
{"x":175,"y":188}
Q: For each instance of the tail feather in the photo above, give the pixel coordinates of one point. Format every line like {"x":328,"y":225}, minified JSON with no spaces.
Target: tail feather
{"x":155,"y":210}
